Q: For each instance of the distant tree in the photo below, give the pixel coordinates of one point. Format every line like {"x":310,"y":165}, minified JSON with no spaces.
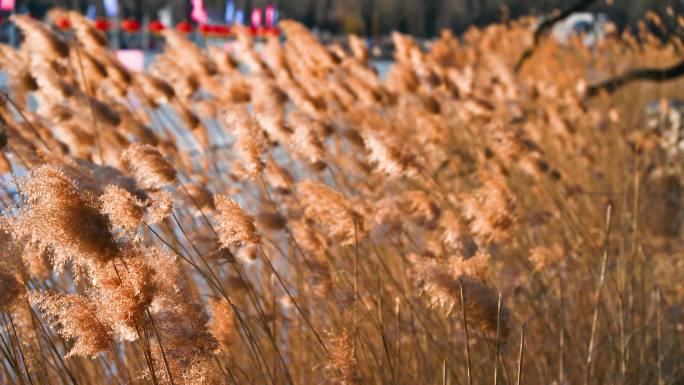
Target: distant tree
{"x":430,"y":13}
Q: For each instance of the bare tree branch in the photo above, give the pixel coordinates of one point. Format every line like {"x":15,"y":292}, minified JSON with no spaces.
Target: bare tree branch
{"x":651,"y":74}
{"x":546,"y":25}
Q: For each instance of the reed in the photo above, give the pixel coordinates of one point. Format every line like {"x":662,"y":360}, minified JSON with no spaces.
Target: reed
{"x":309,"y":221}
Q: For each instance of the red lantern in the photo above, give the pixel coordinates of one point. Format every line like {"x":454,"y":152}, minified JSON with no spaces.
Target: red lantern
{"x":63,"y":23}
{"x":102,"y":25}
{"x":130,"y":25}
{"x":156,"y":26}
{"x":205,"y":29}
{"x":184,"y":27}
{"x":222,"y":30}
{"x":272,"y":31}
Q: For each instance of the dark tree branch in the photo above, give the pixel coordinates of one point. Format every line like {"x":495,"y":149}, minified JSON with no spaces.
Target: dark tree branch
{"x":651,"y":74}
{"x":546,"y":25}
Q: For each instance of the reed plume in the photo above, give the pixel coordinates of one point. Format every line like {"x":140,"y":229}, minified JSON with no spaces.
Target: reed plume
{"x":447,"y":176}
{"x":330,"y":209}
{"x":123,"y":294}
{"x":64,"y":217}
{"x":77,"y":320}
{"x":44,"y":42}
{"x":222,"y":324}
{"x":234,"y":225}
{"x":148,"y":166}
{"x":342,"y":366}
{"x":443,"y":289}
{"x":123,"y":208}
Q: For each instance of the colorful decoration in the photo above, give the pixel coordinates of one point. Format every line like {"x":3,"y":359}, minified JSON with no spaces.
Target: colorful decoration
{"x":217,"y":30}
{"x":130,"y":25}
{"x":222,"y":30}
{"x":229,"y":15}
{"x":102,"y":25}
{"x":256,"y":18}
{"x":7,"y":5}
{"x":262,"y":23}
{"x":156,"y":26}
{"x":63,"y":23}
{"x":271,"y":16}
{"x":199,"y":13}
{"x":111,"y":7}
{"x":165,"y":15}
{"x":239,"y":17}
{"x":91,"y":12}
{"x":184,"y":27}
{"x":273,"y":31}
{"x":204,"y":29}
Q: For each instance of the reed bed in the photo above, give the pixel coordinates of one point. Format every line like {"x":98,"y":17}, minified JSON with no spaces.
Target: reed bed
{"x":288,"y":216}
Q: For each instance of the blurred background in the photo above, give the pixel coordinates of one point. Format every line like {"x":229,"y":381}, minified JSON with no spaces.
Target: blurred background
{"x":423,"y":18}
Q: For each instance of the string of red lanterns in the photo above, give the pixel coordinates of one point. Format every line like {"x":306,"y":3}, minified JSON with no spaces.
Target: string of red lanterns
{"x":102,"y":25}
{"x":156,"y":26}
{"x":132,"y":26}
{"x":184,"y":27}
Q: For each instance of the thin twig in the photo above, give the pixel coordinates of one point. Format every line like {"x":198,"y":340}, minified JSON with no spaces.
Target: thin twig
{"x":597,"y":295}
{"x":465,"y":333}
{"x":521,"y":354}
{"x":161,"y":347}
{"x":498,"y":341}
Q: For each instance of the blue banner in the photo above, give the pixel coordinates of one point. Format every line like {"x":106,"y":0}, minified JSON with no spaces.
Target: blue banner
{"x":239,"y":17}
{"x":111,"y":7}
{"x":229,"y":16}
{"x":91,"y":12}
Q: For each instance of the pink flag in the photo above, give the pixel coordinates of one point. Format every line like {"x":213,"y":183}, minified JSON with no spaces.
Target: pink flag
{"x":256,"y":18}
{"x":7,"y":5}
{"x":199,"y":14}
{"x":270,"y":14}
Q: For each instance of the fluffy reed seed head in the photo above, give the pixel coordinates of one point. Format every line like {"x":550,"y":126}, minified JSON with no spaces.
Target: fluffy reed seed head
{"x":86,"y":32}
{"x":330,"y":209}
{"x":123,"y":208}
{"x":155,"y":88}
{"x":182,"y":324}
{"x":148,"y":166}
{"x":490,"y":210}
{"x":159,"y":206}
{"x":222,"y":324}
{"x":443,"y":287}
{"x":304,"y":141}
{"x":76,"y":317}
{"x":342,"y":366}
{"x":250,"y":142}
{"x":389,"y":154}
{"x":234,"y":225}
{"x":44,"y":43}
{"x":121,"y":295}
{"x":64,"y":217}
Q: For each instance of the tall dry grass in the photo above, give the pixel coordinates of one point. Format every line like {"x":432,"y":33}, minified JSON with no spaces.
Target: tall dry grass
{"x":286,"y":216}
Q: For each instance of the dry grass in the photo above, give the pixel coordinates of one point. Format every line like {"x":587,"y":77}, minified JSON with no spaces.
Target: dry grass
{"x":304,"y":221}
